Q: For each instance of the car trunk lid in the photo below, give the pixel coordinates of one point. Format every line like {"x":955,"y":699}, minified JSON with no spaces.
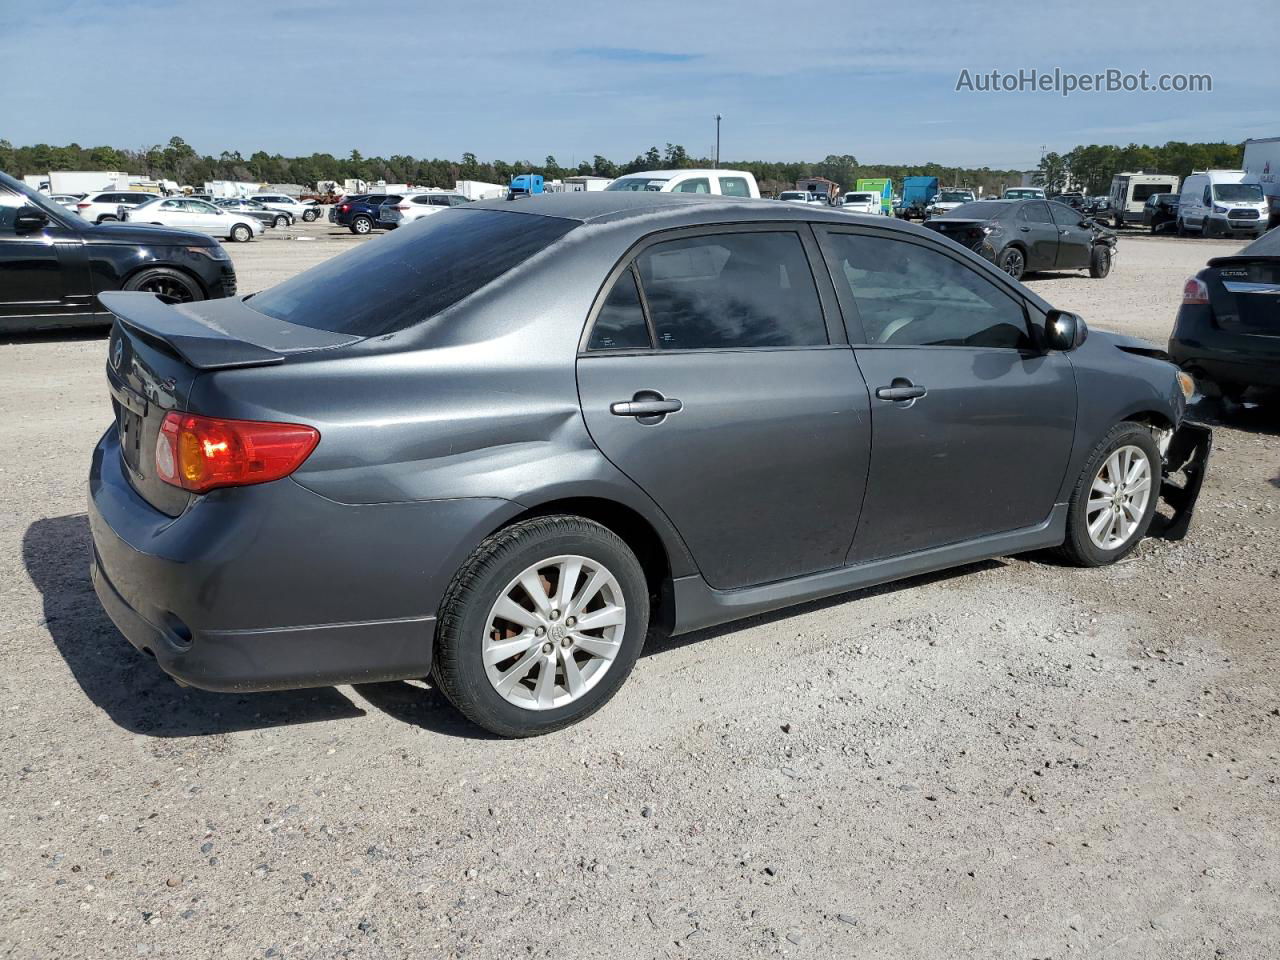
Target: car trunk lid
{"x":966,"y":232}
{"x":157,"y":351}
{"x":1246,"y":296}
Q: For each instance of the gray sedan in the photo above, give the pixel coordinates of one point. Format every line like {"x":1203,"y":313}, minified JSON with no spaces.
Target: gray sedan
{"x":501,"y":447}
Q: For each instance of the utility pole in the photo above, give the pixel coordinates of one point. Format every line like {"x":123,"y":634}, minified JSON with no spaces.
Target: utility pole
{"x":716,"y":165}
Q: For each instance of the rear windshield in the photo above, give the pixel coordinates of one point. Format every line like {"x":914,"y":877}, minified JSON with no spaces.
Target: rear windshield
{"x":398,"y":280}
{"x":1267,"y":245}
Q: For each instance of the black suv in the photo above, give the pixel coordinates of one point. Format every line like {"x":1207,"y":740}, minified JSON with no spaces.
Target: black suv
{"x":53,"y":263}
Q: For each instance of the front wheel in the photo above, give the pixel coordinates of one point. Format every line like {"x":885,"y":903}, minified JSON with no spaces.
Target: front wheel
{"x":280,"y":221}
{"x":241,"y":233}
{"x":1012,"y":262}
{"x":310,"y":215}
{"x":361,"y":226}
{"x":169,"y":285}
{"x":1114,"y":499}
{"x":541,"y":625}
{"x":107,"y":218}
{"x":1100,"y":261}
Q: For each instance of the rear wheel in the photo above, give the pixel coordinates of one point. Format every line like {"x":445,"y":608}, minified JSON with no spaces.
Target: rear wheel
{"x":541,"y":625}
{"x":171,"y":286}
{"x":106,"y":218}
{"x":361,"y":226}
{"x":1012,"y":262}
{"x":280,"y":221}
{"x":1115,"y":497}
{"x":1099,"y":261}
{"x":310,"y":215}
{"x":241,"y":233}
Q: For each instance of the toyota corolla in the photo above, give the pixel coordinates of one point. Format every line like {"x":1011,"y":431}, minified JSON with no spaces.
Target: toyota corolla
{"x":500,"y":447}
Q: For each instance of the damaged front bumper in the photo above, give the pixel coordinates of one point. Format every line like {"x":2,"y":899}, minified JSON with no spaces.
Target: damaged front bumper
{"x":1188,"y":455}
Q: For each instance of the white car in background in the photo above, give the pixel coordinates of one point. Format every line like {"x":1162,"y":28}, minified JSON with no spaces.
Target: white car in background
{"x":291,"y":205}
{"x":67,"y":200}
{"x":415,"y":206}
{"x":195,"y":215}
{"x":104,"y":206}
{"x":795,"y":196}
{"x":861,"y":201}
{"x":719,"y":183}
{"x":947,"y":200}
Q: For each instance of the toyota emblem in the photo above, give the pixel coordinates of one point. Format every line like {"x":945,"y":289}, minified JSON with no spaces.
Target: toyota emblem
{"x":117,"y":354}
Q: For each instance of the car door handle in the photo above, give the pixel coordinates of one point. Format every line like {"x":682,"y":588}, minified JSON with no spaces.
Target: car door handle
{"x":1064,"y":232}
{"x":1025,"y":229}
{"x":657,"y":407}
{"x":901,"y":392}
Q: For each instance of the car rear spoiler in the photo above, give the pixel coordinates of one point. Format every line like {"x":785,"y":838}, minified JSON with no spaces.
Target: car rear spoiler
{"x":217,"y":334}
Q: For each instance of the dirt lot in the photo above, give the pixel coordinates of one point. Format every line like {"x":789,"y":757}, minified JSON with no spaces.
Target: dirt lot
{"x":1009,"y":760}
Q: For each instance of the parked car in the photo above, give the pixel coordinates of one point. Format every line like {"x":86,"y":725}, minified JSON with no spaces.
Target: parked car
{"x":1222,"y":203}
{"x":726,"y":183}
{"x":1225,"y":333}
{"x":948,"y":200}
{"x":334,"y":490}
{"x":1025,"y":236}
{"x":1023,"y":193}
{"x":1074,"y":200}
{"x":1160,"y":211}
{"x":298,"y":209}
{"x":67,"y":200}
{"x":415,"y":206}
{"x":862,"y":202}
{"x":795,"y":196}
{"x":195,"y":215}
{"x":360,"y":214}
{"x":105,"y":206}
{"x":1098,"y":206}
{"x":251,"y":208}
{"x":55,"y":263}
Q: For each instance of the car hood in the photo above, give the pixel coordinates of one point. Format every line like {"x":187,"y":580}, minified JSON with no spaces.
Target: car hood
{"x":145,"y":233}
{"x":1135,"y":345}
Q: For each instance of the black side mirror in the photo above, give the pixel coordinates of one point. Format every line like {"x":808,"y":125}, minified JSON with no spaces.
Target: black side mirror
{"x":28,"y":219}
{"x":1064,"y":331}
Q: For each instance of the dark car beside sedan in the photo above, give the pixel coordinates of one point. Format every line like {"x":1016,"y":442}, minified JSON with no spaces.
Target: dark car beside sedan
{"x":1160,"y":212}
{"x":562,"y":421}
{"x":54,"y":263}
{"x":1026,"y":236}
{"x":361,"y":214}
{"x":1227,"y":333}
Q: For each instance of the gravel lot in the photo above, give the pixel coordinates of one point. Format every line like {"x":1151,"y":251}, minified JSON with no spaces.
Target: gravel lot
{"x":1011,"y":760}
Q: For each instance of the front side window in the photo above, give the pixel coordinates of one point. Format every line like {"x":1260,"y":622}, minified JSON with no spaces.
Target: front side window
{"x":732,"y":290}
{"x":734,"y":187}
{"x":696,"y":185}
{"x":908,"y":294}
{"x":439,"y":201}
{"x":172,"y":205}
{"x":1064,"y":216}
{"x":620,"y":324}
{"x":1035,"y":212}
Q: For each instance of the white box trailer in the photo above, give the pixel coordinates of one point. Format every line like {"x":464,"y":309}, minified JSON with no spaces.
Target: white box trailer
{"x":231,"y":188}
{"x":37,"y":181}
{"x":1262,"y":166}
{"x":1129,"y":192}
{"x":479,"y":190}
{"x":86,"y":181}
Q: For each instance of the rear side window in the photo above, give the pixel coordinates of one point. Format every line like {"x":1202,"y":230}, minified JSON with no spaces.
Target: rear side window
{"x":732,"y":290}
{"x":908,"y":294}
{"x":620,"y":324}
{"x":412,"y":274}
{"x":734,"y":187}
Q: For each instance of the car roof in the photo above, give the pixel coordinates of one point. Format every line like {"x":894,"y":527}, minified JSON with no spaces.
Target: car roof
{"x":671,"y":174}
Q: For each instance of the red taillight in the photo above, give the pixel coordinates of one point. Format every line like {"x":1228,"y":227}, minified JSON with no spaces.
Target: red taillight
{"x":201,"y":453}
{"x":1195,"y":291}
{"x":81,"y":206}
{"x":345,"y":207}
{"x":402,"y":207}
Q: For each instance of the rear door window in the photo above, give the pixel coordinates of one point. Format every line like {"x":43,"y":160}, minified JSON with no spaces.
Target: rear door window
{"x":732,"y":290}
{"x":734,"y":187}
{"x":410,"y":275}
{"x":696,"y":185}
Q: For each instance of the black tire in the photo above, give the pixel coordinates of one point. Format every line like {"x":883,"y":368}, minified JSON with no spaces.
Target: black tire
{"x":310,"y":216}
{"x":1079,"y":549}
{"x":241,"y":233}
{"x":458,"y":666}
{"x":361,"y":226}
{"x":171,"y":286}
{"x":1119,"y":221}
{"x":107,"y":218}
{"x":280,"y":221}
{"x":1180,"y":228}
{"x":1013,"y":262}
{"x":1099,"y":261}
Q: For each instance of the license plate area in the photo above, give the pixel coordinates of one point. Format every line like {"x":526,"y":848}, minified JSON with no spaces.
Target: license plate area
{"x":130,"y":412}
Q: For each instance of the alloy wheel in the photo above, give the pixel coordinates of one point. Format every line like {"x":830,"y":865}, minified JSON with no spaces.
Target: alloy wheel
{"x":168,"y":289}
{"x":1013,"y":264}
{"x":554,"y":632}
{"x":1118,"y":498}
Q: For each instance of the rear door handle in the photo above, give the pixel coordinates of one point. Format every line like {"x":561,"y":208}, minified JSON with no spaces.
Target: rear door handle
{"x":909,"y":392}
{"x":649,"y":406}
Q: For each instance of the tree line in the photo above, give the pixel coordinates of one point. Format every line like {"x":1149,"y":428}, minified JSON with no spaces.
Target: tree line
{"x":1090,"y":169}
{"x":1087,"y":168}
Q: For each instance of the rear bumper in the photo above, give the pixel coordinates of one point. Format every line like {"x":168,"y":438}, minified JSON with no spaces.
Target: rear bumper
{"x":1222,"y":357}
{"x":275,"y":587}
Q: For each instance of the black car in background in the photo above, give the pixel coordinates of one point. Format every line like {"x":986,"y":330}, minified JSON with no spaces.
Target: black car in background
{"x":54,"y":263}
{"x":1025,"y":236}
{"x":1160,"y":211}
{"x":1227,"y":334}
{"x":359,"y":214}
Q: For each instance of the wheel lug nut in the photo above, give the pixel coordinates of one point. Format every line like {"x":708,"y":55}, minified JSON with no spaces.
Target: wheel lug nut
{"x":541,"y":631}
{"x":547,"y":648}
{"x":555,"y":614}
{"x":566,"y":642}
{"x":570,"y":621}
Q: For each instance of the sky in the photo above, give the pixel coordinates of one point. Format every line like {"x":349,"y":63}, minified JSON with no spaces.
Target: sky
{"x":510,"y":81}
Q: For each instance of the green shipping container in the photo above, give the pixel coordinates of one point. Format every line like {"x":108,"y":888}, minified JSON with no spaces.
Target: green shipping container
{"x":882,"y":186}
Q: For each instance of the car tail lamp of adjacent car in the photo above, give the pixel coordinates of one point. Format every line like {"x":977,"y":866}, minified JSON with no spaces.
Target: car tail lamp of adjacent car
{"x":202,"y":453}
{"x":343,"y":208}
{"x":1195,"y":291}
{"x":83,"y":205}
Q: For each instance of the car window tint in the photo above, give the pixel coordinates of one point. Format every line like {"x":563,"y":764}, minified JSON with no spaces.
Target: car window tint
{"x":732,"y":290}
{"x":9,"y":204}
{"x":734,"y":187}
{"x":696,"y":185}
{"x":1064,"y":216}
{"x":908,"y":294}
{"x":439,"y":201}
{"x":410,"y":275}
{"x":620,"y":323}
{"x":1035,"y":212}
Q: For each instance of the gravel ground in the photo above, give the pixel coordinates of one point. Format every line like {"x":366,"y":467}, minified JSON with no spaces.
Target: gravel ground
{"x":1008,"y":760}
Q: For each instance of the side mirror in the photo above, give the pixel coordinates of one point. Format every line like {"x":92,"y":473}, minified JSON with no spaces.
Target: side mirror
{"x":28,"y":219}
{"x":1064,"y":331}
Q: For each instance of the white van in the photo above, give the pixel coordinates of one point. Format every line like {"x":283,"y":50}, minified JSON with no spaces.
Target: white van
{"x":1129,"y":192}
{"x":1222,"y":203}
{"x":719,"y":183}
